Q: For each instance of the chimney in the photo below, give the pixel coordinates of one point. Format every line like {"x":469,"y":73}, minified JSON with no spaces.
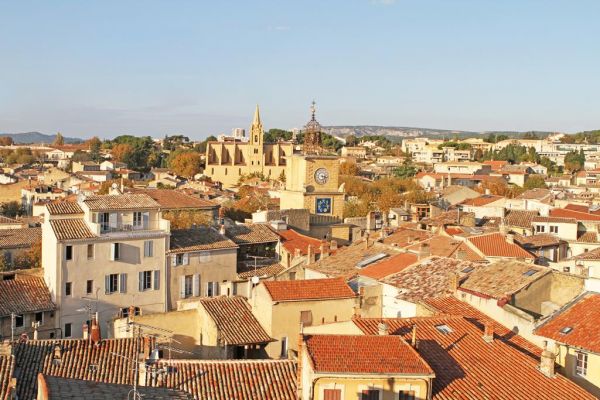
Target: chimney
{"x":57,"y":352}
{"x":86,"y":332}
{"x":6,"y":348}
{"x":299,"y":367}
{"x":453,"y":282}
{"x":367,"y":241}
{"x":146,"y":348}
{"x":222,"y":229}
{"x":424,"y":251}
{"x":131,"y":313}
{"x":413,"y":341}
{"x":488,"y":192}
{"x":95,"y":331}
{"x":547,"y":361}
{"x":324,"y":249}
{"x":310,"y":255}
{"x":510,"y":238}
{"x":297,"y":252}
{"x":383,"y":329}
{"x":333,"y":245}
{"x":488,"y":332}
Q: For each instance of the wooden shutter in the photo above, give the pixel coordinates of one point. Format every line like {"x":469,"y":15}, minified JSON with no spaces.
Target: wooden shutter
{"x":156,"y":279}
{"x":141,"y":281}
{"x":196,"y":289}
{"x":112,"y":251}
{"x":186,"y":259}
{"x":112,"y":220}
{"x":150,"y":248}
{"x":123,"y":283}
{"x":107,"y":284}
{"x":173,"y":260}
{"x":146,"y":219}
{"x":182,"y":287}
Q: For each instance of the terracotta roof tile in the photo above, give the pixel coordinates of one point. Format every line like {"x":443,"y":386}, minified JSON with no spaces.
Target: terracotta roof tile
{"x":7,"y":367}
{"x":71,"y":229}
{"x":64,"y":208}
{"x":198,"y":239}
{"x":503,"y":278}
{"x":121,"y":202}
{"x":405,"y":236}
{"x":175,"y":199}
{"x":293,"y":240}
{"x":520,"y":218}
{"x":445,"y":246}
{"x":429,"y":278}
{"x":588,"y":237}
{"x":62,"y":388}
{"x":24,"y":294}
{"x":581,"y":316}
{"x":588,"y":255}
{"x":555,"y":219}
{"x":482,"y":200}
{"x":467,"y":367}
{"x":79,"y":360}
{"x":309,"y":289}
{"x":389,"y":266}
{"x":19,"y":238}
{"x":234,"y":319}
{"x":251,"y":234}
{"x":496,"y":245}
{"x":538,"y":240}
{"x":229,"y":380}
{"x":246,"y":271}
{"x":6,"y":220}
{"x":364,"y":354}
{"x":579,"y":216}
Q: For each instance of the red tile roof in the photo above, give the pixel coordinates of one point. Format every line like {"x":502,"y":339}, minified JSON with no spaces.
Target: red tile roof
{"x":174,"y":199}
{"x":7,"y":366}
{"x":19,"y":237}
{"x":495,"y":245}
{"x":229,"y":380}
{"x":309,"y":289}
{"x":495,"y":165}
{"x":389,"y":266}
{"x":582,"y":317}
{"x":364,"y":354}
{"x":580,"y":216}
{"x":481,"y":200}
{"x":467,"y":367}
{"x":234,"y":320}
{"x":293,"y":240}
{"x":64,"y":208}
{"x":71,"y":229}
{"x":24,"y":294}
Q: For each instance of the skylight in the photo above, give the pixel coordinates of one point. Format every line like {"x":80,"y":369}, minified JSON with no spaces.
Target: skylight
{"x":370,"y":260}
{"x":530,"y":272}
{"x":467,"y":270}
{"x":444,"y":329}
{"x":566,"y":330}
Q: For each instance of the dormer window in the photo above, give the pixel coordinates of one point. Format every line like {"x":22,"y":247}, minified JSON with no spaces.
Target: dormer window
{"x":444,"y":329}
{"x":566,"y":330}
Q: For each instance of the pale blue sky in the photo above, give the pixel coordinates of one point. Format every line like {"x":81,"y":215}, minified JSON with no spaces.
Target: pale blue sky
{"x":198,"y":67}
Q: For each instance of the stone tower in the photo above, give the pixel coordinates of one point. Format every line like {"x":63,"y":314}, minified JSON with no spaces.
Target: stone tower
{"x":312,"y":135}
{"x":255,"y":153}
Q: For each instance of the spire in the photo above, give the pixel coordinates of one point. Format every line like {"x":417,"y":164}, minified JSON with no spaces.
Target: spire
{"x":313,"y":109}
{"x":256,"y":120}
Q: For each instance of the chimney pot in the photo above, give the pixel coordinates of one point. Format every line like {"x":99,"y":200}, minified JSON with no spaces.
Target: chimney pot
{"x":95,"y":331}
{"x":424,"y":250}
{"x":310,"y":256}
{"x":333,"y":245}
{"x":86,"y":331}
{"x":510,"y":238}
{"x":547,"y":361}
{"x":453,"y":282}
{"x":413,"y":341}
{"x":383,"y":329}
{"x":488,"y":332}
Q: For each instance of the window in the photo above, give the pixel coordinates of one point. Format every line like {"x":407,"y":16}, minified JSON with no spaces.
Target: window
{"x":553,"y":228}
{"x":284,"y":347}
{"x":530,"y":272}
{"x":445,"y":329}
{"x":39,"y":317}
{"x":69,"y":253}
{"x":406,"y":395}
{"x":540,"y":228}
{"x":582,"y":362}
{"x":180,"y":259}
{"x":566,"y":330}
{"x":19,"y":321}
{"x":125,"y":312}
{"x":68,"y":288}
{"x":306,"y":318}
{"x":369,"y":394}
{"x":137,"y":219}
{"x":148,"y":248}
{"x":89,"y":287}
{"x":115,"y":251}
{"x":189,"y":285}
{"x":212,"y":289}
{"x":332,"y":394}
{"x":68,"y":332}
{"x":145,"y":280}
{"x":111,"y":283}
{"x":90,"y":251}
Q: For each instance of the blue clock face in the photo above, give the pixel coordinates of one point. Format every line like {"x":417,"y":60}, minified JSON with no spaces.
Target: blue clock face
{"x":323,"y":206}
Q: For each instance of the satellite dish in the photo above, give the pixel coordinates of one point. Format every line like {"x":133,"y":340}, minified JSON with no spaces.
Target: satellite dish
{"x":255,"y":280}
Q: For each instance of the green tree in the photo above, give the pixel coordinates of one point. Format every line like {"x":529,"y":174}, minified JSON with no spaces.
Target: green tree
{"x":11,"y":209}
{"x":59,"y":140}
{"x":185,"y":163}
{"x":574,"y":161}
{"x":94,"y":145}
{"x":534,"y":181}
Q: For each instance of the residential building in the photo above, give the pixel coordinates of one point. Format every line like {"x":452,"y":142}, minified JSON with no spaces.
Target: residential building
{"x":104,"y":254}
{"x":282,"y":307}
{"x":16,"y":242}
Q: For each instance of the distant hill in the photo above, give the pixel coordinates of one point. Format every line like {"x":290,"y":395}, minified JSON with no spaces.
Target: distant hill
{"x":396,"y":133}
{"x":36,"y":137}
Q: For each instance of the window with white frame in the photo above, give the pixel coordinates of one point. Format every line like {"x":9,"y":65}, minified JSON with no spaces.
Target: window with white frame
{"x":212,"y":289}
{"x":180,"y":259}
{"x":148,"y":248}
{"x":115,"y":251}
{"x":115,"y":283}
{"x":149,"y":280}
{"x":189,"y":285}
{"x":582,"y":364}
{"x":137,"y":219}
{"x":553,"y":228}
{"x":540,"y":228}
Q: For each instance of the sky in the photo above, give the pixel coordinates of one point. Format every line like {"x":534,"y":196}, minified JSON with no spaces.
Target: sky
{"x":198,"y":68}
